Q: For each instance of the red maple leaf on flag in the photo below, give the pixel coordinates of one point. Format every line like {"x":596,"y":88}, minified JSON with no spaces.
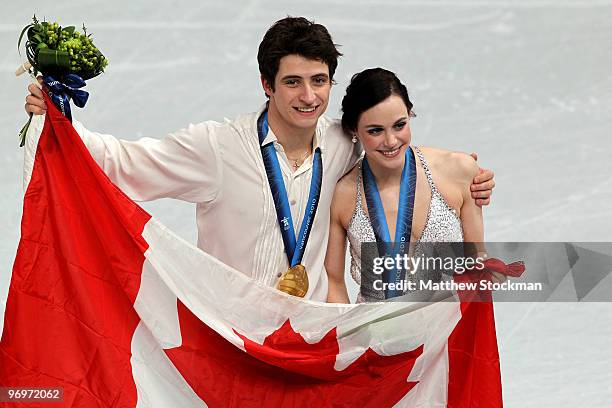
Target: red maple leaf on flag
{"x":285,"y":370}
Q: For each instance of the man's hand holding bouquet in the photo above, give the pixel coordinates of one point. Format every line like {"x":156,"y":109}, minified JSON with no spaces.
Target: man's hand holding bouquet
{"x":65,"y":58}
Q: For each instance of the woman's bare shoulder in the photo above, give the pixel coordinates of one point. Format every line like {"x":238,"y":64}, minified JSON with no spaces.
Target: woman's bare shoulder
{"x":346,"y":186}
{"x":453,"y":165}
{"x":345,"y":194}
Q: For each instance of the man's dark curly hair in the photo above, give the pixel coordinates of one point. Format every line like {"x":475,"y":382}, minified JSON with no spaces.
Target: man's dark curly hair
{"x":295,"y":35}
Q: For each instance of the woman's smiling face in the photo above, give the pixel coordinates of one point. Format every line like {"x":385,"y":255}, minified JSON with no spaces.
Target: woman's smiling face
{"x":384,"y":132}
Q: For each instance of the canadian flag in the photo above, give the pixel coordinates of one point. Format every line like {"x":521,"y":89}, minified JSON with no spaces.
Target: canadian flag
{"x":111,"y":306}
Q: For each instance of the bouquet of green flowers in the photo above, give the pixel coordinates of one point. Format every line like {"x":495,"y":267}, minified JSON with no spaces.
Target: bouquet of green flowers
{"x":65,"y":58}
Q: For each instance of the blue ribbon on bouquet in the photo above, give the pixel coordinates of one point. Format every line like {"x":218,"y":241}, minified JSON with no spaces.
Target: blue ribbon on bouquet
{"x":61,"y":92}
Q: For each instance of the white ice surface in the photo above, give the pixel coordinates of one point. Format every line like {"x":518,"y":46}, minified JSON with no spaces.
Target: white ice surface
{"x":526,"y":84}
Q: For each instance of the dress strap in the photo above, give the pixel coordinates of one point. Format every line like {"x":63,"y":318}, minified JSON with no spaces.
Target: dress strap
{"x":358,"y":201}
{"x":425,"y":168}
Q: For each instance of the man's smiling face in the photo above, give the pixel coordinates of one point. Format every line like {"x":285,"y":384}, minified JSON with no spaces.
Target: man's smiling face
{"x":301,"y":92}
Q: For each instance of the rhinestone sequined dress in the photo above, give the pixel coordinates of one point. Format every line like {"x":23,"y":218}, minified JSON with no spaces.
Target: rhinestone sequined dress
{"x":442,"y":225}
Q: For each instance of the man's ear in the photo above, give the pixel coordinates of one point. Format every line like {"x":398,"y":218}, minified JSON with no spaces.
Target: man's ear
{"x":266,"y":86}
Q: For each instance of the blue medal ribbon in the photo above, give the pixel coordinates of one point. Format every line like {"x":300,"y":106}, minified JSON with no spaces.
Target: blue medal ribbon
{"x":403,"y":225}
{"x":61,"y":92}
{"x":294,"y":248}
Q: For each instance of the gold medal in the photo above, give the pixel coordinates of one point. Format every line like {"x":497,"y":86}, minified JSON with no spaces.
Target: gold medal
{"x":294,"y":281}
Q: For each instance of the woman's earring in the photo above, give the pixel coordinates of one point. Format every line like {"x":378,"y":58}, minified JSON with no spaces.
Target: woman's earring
{"x":354,"y":139}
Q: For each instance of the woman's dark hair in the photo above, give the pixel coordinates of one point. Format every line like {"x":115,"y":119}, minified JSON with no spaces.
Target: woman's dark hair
{"x":295,"y":35}
{"x":367,"y":89}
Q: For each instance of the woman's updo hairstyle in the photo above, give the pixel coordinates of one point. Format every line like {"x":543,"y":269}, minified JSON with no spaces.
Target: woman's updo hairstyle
{"x":367,"y":89}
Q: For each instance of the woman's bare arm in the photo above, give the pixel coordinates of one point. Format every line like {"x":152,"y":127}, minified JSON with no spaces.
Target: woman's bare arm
{"x":471,"y":213}
{"x":336,"y":246}
{"x":465,"y":169}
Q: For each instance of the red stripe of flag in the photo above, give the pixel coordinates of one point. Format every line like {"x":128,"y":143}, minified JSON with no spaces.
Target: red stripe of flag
{"x":69,"y":316}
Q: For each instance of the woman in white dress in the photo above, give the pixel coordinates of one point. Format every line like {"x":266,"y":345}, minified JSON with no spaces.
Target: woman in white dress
{"x":377,"y":112}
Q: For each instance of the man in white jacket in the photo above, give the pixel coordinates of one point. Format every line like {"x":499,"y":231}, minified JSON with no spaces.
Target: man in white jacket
{"x":219,"y":166}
